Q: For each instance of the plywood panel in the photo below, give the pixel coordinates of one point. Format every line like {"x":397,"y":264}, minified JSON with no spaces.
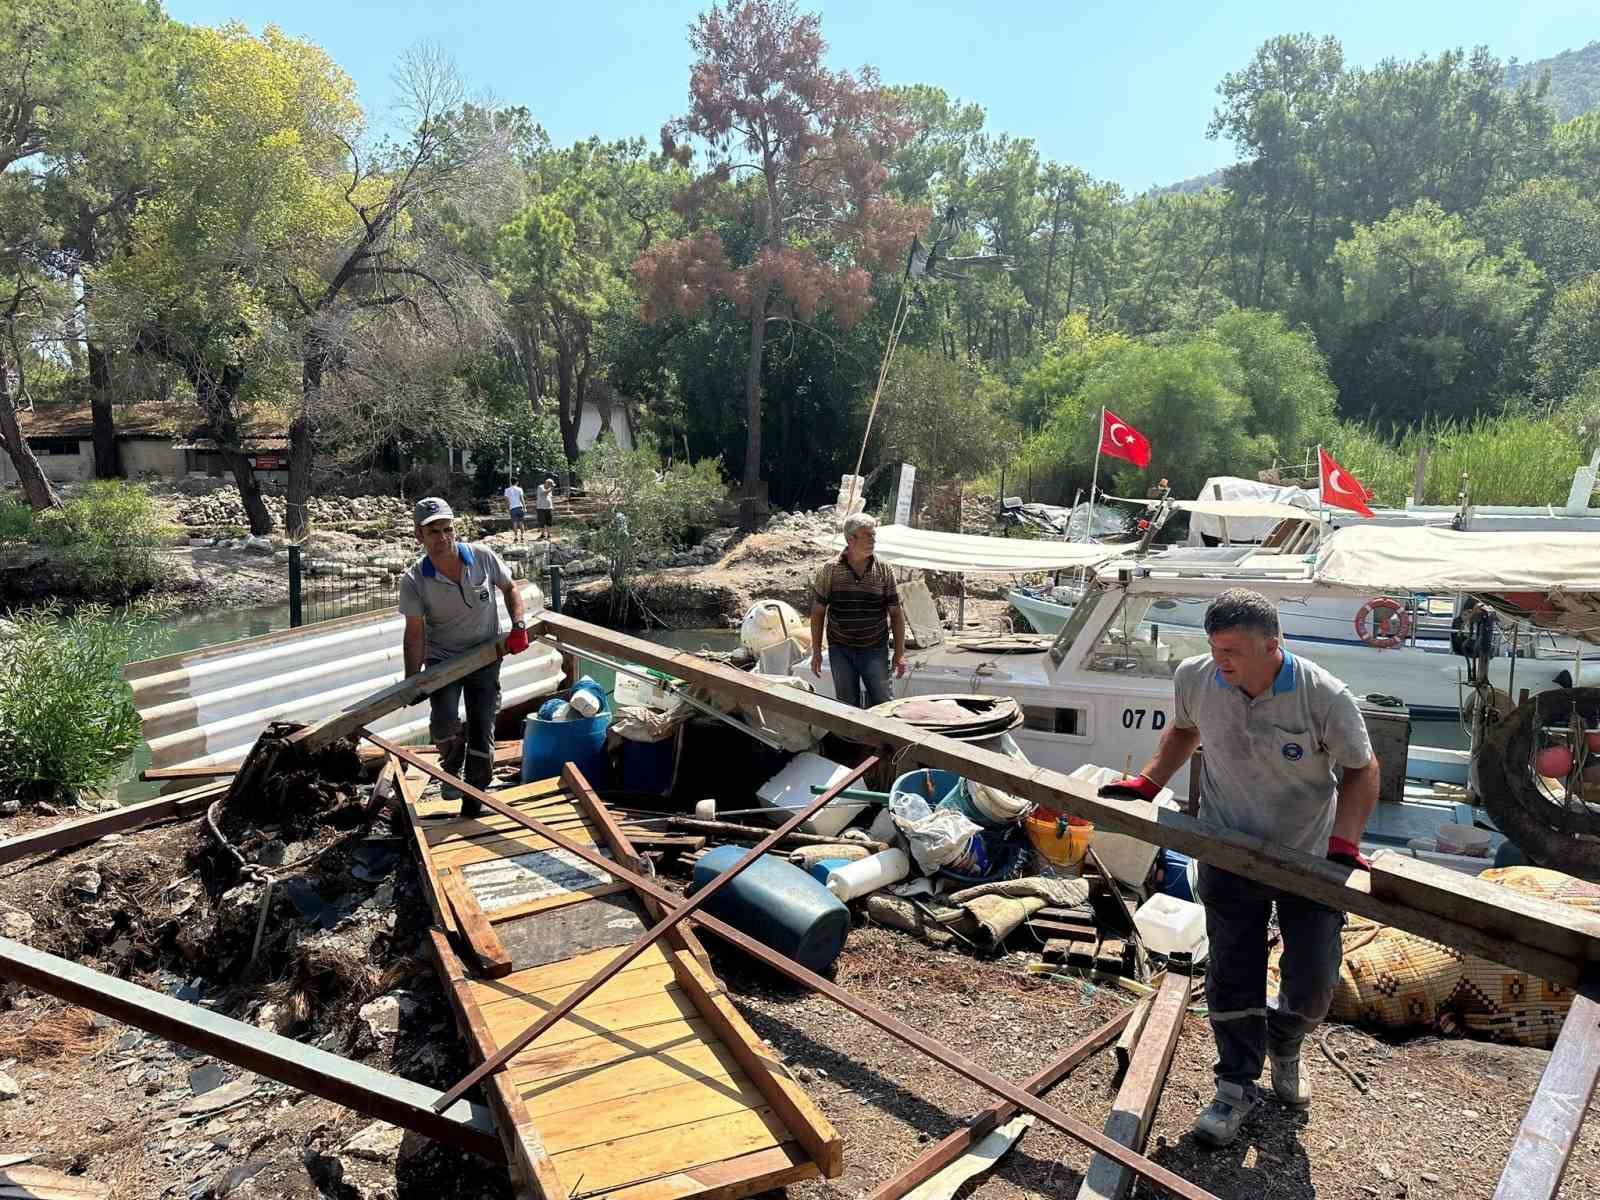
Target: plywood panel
{"x":682,"y":1103}
{"x":461,"y":853}
{"x":731,"y":1179}
{"x":606,"y":1165}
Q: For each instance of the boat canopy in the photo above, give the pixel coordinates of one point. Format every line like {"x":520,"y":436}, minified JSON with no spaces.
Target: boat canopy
{"x":1443,"y":560}
{"x":970,"y":554}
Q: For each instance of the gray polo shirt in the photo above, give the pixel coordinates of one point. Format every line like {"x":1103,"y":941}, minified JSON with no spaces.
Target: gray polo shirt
{"x":457,"y":616}
{"x":1272,"y":763}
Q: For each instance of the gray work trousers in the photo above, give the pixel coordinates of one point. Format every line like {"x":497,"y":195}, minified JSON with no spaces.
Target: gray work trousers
{"x":1245,"y":1025}
{"x":475,"y":745}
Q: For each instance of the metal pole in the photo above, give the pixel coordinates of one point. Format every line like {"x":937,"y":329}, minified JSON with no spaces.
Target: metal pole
{"x":555,"y":587}
{"x":1094,"y":483}
{"x":296,"y":581}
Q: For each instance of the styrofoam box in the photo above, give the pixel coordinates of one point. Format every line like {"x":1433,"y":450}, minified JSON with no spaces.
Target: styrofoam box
{"x":1126,"y":857}
{"x":791,"y":788}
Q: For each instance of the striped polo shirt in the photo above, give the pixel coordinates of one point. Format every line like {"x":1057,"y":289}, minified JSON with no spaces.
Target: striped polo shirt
{"x":858,"y":605}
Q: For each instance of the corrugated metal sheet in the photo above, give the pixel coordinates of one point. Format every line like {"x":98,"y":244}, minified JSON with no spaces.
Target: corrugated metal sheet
{"x":207,"y":706}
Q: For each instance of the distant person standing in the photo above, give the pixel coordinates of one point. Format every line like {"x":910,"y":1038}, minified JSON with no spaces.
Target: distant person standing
{"x":517,"y":505}
{"x":544,"y":503}
{"x":856,"y":598}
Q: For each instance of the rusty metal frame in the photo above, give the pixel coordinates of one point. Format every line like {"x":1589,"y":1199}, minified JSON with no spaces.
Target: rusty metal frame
{"x":1093,"y":1138}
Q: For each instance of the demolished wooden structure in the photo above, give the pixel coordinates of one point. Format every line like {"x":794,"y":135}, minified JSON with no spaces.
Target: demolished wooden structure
{"x":651,"y":1087}
{"x":1555,"y":942}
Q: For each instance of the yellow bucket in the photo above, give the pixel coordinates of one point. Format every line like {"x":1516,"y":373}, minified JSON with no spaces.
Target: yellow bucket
{"x":1058,"y":838}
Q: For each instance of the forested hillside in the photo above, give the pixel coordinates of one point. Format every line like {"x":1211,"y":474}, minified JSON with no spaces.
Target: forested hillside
{"x":1574,"y":79}
{"x":1402,"y":252}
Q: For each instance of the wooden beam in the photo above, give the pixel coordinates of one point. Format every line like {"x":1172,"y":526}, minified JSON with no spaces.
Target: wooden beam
{"x":215,"y":771}
{"x":649,"y":937}
{"x":1135,"y":1107}
{"x":352,"y":1084}
{"x":485,"y":945}
{"x":1549,"y":1131}
{"x":396,"y":696}
{"x":940,"y":1155}
{"x":870,"y":1013}
{"x":529,"y":1161}
{"x":1550,"y":940}
{"x":69,"y":834}
{"x":432,"y":892}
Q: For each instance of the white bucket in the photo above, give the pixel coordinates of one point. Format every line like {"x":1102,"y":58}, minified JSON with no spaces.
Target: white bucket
{"x":1463,"y":839}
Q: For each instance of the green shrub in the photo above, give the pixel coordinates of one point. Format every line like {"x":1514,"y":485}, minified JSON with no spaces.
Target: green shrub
{"x":67,"y":721}
{"x":16,"y":519}
{"x":112,"y":534}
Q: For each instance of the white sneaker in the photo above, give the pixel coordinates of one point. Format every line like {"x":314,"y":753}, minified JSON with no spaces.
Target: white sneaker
{"x":1290,"y":1083}
{"x":1220,"y":1123}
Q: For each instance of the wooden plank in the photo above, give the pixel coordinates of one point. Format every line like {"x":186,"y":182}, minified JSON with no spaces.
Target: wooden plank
{"x":43,"y":1183}
{"x":939,"y":1156}
{"x":471,"y":829}
{"x":464,"y":853}
{"x":701,"y":1059}
{"x":664,"y":1039}
{"x":1135,"y":1107}
{"x":395,"y":696}
{"x":653,"y":934}
{"x":868,"y":1012}
{"x":641,"y":981}
{"x":1544,"y":1142}
{"x":805,"y":1121}
{"x":511,"y":1016}
{"x":731,"y":1179}
{"x":1427,"y":912}
{"x":479,"y":935}
{"x":609,"y":1164}
{"x":682,"y":1103}
{"x":214,"y":771}
{"x":531,"y":1169}
{"x":410,"y":792}
{"x":568,"y":972}
{"x":69,"y":834}
{"x":354,"y":1085}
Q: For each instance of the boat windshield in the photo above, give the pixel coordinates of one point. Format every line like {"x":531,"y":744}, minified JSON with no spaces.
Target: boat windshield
{"x":1136,"y":642}
{"x":1076,"y":620}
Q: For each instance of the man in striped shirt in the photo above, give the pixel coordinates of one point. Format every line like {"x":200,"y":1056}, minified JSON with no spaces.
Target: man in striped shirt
{"x":856,"y":597}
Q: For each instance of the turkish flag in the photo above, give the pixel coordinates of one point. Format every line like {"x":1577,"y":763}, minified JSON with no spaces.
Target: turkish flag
{"x":1121,"y":440}
{"x":1340,"y":489}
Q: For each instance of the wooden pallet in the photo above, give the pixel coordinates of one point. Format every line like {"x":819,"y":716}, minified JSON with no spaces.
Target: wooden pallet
{"x":654,"y":1088}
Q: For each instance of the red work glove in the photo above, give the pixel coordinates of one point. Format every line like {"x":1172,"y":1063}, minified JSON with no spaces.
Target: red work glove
{"x":517,"y":641}
{"x":1131,"y":787}
{"x":1346,"y":854}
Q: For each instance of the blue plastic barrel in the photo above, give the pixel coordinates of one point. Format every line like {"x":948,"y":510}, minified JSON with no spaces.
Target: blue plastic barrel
{"x":778,"y":904}
{"x":546,"y":745}
{"x":929,"y":784}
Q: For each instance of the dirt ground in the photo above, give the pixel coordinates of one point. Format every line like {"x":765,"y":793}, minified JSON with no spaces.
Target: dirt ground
{"x":99,"y":1099}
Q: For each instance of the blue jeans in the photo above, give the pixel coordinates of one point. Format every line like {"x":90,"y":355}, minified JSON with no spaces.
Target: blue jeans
{"x":854,"y":670}
{"x":1245,"y":1025}
{"x":476,"y":745}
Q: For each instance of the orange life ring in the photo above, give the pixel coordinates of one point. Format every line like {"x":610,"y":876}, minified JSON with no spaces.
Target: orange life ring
{"x":1384,"y":632}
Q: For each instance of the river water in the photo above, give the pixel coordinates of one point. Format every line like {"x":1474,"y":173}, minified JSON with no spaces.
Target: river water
{"x":190,"y":631}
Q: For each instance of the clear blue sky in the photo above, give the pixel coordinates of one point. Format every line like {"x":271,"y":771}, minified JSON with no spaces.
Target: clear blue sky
{"x":1123,"y":90}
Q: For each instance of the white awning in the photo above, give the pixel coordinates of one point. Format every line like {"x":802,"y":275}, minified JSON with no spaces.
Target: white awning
{"x":968,"y":554}
{"x":1262,"y":510}
{"x":1391,"y":558}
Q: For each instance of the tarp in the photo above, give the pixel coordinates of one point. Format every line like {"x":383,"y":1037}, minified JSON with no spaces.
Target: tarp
{"x":1400,"y":559}
{"x":1246,"y":527}
{"x":968,"y":554}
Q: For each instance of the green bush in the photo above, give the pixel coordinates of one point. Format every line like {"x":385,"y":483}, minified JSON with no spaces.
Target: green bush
{"x":16,"y":519}
{"x":67,"y":721}
{"x":111,"y":533}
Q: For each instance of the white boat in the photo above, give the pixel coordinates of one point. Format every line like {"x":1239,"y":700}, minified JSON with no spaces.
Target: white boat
{"x":1102,"y":692}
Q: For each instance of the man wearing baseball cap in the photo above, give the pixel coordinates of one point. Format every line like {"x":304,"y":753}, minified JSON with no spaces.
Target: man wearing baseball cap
{"x":447,"y":599}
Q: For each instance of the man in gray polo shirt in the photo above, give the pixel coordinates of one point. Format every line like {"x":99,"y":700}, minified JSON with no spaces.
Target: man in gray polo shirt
{"x":1287,"y":759}
{"x":447,"y":598}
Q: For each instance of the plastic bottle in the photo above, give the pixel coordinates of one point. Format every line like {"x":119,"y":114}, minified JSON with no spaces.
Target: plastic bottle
{"x":868,"y":875}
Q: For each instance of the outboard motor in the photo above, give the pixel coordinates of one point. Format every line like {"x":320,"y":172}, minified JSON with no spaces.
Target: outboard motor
{"x":1474,"y":636}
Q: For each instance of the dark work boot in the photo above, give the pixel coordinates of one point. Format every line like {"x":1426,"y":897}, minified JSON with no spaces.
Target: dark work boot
{"x":452,"y":753}
{"x":480,"y":774}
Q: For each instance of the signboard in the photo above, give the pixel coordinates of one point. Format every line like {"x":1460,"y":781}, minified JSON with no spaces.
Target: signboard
{"x":902,"y":500}
{"x":269,"y":462}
